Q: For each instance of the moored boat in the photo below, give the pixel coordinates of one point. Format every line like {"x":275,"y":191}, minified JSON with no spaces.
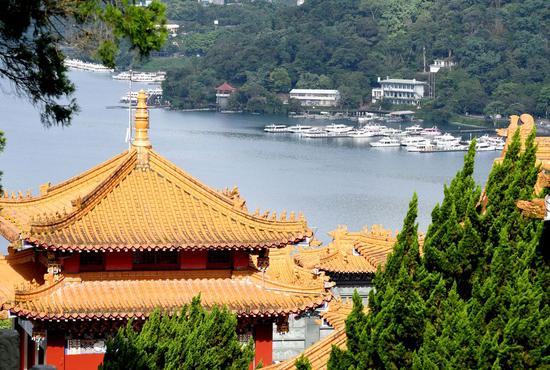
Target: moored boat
{"x":386,"y":142}
{"x":274,"y":128}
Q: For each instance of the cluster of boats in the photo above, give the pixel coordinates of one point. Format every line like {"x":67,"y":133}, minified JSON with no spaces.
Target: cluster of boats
{"x":413,"y":138}
{"x":147,"y":77}
{"x":86,"y":66}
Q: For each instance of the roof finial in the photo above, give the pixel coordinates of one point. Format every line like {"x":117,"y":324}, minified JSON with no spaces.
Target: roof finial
{"x":141,"y":137}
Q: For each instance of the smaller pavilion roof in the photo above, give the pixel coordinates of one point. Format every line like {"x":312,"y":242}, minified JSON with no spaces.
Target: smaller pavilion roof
{"x":225,"y":87}
{"x":350,"y":252}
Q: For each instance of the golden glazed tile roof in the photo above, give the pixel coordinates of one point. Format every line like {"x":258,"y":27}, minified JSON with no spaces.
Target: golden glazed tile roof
{"x":350,"y":252}
{"x":117,"y":295}
{"x":139,"y":200}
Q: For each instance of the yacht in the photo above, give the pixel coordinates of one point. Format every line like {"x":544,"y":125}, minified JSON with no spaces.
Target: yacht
{"x":414,"y":130}
{"x":337,"y":128}
{"x":86,"y":66}
{"x":484,"y":146}
{"x":430,"y":148}
{"x":432,"y":131}
{"x":446,"y":140}
{"x":318,"y":133}
{"x":495,"y":141}
{"x":151,"y":77}
{"x":297,"y":129}
{"x":275,"y":128}
{"x":388,"y":131}
{"x":361,"y":133}
{"x":386,"y":142}
{"x":414,"y":140}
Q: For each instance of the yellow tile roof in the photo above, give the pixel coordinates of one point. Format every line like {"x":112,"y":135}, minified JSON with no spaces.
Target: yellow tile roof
{"x":120,"y":205}
{"x":350,"y":252}
{"x":115,"y":295}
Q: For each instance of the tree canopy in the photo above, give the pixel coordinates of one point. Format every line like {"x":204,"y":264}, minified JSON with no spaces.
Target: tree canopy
{"x":501,"y":49}
{"x":34,"y":34}
{"x":194,"y":338}
{"x":478,"y":297}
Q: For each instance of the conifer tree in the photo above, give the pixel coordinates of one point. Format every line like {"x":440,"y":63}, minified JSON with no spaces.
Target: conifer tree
{"x":193,"y":339}
{"x":302,"y":363}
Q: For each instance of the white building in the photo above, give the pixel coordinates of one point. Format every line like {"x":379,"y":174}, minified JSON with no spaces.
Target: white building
{"x":399,"y":91}
{"x":441,"y":63}
{"x":316,"y":97}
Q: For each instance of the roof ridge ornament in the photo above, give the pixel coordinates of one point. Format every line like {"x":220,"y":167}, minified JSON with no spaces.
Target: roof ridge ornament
{"x":141,"y":137}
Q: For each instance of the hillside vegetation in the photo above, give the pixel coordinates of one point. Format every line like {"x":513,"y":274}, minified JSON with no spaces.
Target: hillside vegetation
{"x":501,"y":47}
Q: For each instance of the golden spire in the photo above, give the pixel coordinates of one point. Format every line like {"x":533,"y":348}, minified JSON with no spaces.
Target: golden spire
{"x":141,"y":137}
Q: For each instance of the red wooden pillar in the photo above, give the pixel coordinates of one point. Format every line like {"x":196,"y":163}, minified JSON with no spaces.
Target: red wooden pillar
{"x":55,"y":351}
{"x":22,"y":348}
{"x":263,"y":339}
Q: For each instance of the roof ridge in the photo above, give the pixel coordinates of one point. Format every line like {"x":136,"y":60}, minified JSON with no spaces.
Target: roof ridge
{"x":83,"y":205}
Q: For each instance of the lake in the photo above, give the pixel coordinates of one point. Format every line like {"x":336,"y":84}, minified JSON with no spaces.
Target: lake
{"x":332,"y":181}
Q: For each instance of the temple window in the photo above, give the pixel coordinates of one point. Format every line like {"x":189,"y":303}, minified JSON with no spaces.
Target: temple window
{"x":219,"y":259}
{"x":92,"y":261}
{"x":155,"y":259}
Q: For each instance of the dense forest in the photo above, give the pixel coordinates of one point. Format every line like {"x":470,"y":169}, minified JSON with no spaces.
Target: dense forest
{"x":265,"y":48}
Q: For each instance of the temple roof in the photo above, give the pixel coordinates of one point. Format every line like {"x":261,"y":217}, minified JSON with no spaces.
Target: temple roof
{"x":120,"y":295}
{"x":350,"y":252}
{"x":139,"y":200}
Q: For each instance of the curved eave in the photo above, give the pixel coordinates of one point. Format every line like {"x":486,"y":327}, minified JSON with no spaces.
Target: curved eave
{"x":148,"y":247}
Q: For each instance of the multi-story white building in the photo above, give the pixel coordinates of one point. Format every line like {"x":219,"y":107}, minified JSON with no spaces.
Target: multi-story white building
{"x":399,"y":91}
{"x":316,"y":97}
{"x":441,"y":63}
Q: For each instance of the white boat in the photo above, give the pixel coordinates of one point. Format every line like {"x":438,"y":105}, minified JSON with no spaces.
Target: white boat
{"x":141,"y":76}
{"x":414,"y":140}
{"x":386,"y":142}
{"x":432,"y":131}
{"x":366,"y":118}
{"x":414,"y":130}
{"x":337,"y":128}
{"x":297,"y":129}
{"x":318,"y":133}
{"x":446,"y":140}
{"x":156,"y":93}
{"x":360,"y":133}
{"x":431,"y":148}
{"x":388,"y":131}
{"x":86,"y":66}
{"x":275,"y":128}
{"x":484,"y":146}
{"x":496,"y":141}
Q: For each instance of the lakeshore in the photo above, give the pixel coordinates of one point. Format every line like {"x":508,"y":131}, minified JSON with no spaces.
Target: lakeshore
{"x":332,"y":181}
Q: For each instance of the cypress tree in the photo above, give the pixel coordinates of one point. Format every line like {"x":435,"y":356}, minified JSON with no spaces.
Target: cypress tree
{"x":192,"y":339}
{"x":302,"y":363}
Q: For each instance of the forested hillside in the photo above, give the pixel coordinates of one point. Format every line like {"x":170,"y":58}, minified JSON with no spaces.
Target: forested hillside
{"x":501,"y":47}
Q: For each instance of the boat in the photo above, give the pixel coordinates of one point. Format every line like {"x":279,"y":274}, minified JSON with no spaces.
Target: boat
{"x":484,"y":146}
{"x":414,"y":140}
{"x":361,"y":133}
{"x":337,"y":128}
{"x":86,"y":66}
{"x":431,"y":131}
{"x":318,"y":133}
{"x":496,"y":141}
{"x":431,"y":148}
{"x":446,"y":140}
{"x":414,"y":130}
{"x":388,"y":131}
{"x":297,"y":129}
{"x":151,"y":77}
{"x":386,"y":142}
{"x":154,"y":97}
{"x":274,"y":128}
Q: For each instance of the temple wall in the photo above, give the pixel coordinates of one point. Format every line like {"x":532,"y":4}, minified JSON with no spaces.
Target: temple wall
{"x":302,"y":333}
{"x":118,"y":261}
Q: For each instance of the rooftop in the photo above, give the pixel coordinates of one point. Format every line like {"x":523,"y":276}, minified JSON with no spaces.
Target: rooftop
{"x":139,"y":200}
{"x":313,"y":91}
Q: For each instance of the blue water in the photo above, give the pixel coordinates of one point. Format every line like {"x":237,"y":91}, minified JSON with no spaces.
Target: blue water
{"x":332,"y":181}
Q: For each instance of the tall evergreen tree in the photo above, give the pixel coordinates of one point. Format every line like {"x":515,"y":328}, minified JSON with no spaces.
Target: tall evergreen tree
{"x":479,"y":297}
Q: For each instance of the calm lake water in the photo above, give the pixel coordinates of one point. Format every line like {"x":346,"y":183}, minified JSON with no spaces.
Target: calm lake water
{"x":332,"y":181}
